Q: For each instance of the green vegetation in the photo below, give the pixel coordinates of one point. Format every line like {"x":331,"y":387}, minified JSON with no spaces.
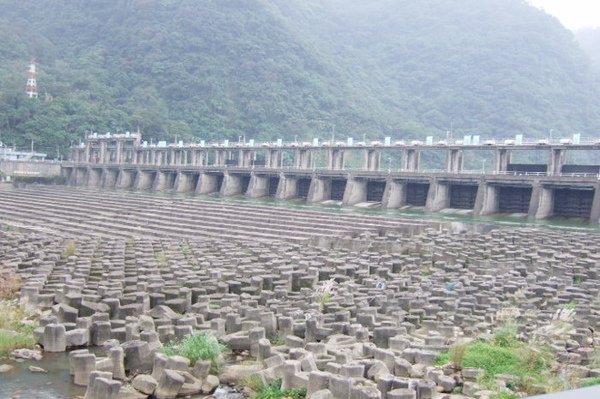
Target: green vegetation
{"x":15,"y":331}
{"x":571,"y":305}
{"x":591,"y":382}
{"x":10,"y":340}
{"x":185,"y":248}
{"x":70,"y":250}
{"x":161,"y":259}
{"x":277,"y":340}
{"x":502,"y":354}
{"x":202,"y":346}
{"x":504,"y":395}
{"x":10,"y":284}
{"x":325,"y":298}
{"x":265,"y":69}
{"x":273,"y":391}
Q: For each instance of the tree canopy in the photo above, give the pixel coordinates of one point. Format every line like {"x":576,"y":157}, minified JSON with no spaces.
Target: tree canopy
{"x":266,"y":69}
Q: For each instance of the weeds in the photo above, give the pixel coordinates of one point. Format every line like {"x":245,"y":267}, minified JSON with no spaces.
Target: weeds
{"x":504,"y":395}
{"x":277,"y":340}
{"x":10,"y":284}
{"x":11,"y":340}
{"x":203,"y":346}
{"x":503,"y":354}
{"x":161,"y":258}
{"x":324,"y":293}
{"x":130,"y":243}
{"x":273,"y":391}
{"x":591,"y":382}
{"x":185,"y":249}
{"x":571,"y":305}
{"x":16,"y":329}
{"x":70,"y":250}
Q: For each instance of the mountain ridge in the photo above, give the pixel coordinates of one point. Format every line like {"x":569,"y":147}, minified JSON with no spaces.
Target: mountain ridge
{"x":272,"y":68}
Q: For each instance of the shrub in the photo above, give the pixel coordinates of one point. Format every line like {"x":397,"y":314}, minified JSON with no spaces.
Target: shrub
{"x":591,"y":382}
{"x":10,"y":283}
{"x":69,"y":250}
{"x":161,"y":258}
{"x":273,"y":391}
{"x":506,"y":336}
{"x":203,"y":346}
{"x":277,"y":340}
{"x":457,"y":353}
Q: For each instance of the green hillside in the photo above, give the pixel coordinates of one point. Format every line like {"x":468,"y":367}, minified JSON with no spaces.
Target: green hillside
{"x":214,"y":69}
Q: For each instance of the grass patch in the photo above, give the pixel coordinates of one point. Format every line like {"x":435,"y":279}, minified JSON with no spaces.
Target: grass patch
{"x":571,"y":305}
{"x":454,"y":356}
{"x":591,"y":382}
{"x":325,"y":298}
{"x":16,"y":328}
{"x":503,"y":354}
{"x":161,"y":258}
{"x":11,"y":340}
{"x":69,"y":250}
{"x":504,"y":395}
{"x":203,"y":346}
{"x":130,"y":243}
{"x":273,"y":391}
{"x":277,"y":340}
{"x":10,"y":284}
{"x":185,"y":249}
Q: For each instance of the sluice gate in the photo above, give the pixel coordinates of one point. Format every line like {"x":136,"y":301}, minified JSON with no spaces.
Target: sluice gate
{"x":302,"y":188}
{"x":375,"y":190}
{"x":573,"y":203}
{"x":416,"y":194}
{"x":514,"y":199}
{"x":463,"y":196}
{"x":245,"y":183}
{"x":338,"y":187}
{"x":273,"y":184}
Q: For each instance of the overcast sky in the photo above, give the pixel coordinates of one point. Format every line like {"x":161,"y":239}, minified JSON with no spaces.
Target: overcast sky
{"x":573,"y":14}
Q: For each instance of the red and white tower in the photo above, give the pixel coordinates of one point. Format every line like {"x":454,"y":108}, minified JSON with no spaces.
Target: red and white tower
{"x":31,"y":88}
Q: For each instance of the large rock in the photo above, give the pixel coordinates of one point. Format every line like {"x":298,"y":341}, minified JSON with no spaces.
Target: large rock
{"x":169,"y":384}
{"x":210,"y":384}
{"x":144,"y":383}
{"x":54,"y":338}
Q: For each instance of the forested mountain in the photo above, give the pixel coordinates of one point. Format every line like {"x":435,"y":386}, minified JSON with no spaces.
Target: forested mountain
{"x":216,"y":69}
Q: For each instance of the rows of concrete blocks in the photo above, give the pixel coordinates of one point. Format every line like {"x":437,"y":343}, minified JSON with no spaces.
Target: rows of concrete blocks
{"x":481,"y":195}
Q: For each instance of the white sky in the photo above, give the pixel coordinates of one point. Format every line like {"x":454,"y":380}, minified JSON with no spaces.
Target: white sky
{"x":573,"y":14}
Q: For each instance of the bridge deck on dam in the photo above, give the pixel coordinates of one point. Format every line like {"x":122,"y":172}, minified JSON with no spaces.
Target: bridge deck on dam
{"x":123,"y":214}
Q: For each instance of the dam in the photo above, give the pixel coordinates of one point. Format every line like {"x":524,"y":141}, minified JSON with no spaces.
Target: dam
{"x":387,"y":175}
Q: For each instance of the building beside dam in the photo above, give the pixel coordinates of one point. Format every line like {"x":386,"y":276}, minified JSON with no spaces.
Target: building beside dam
{"x":434,"y":176}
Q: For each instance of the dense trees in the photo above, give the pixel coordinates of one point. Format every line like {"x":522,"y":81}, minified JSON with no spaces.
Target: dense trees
{"x":214,"y":69}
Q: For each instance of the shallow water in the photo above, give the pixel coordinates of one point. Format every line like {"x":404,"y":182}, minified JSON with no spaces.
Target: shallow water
{"x":56,"y":384}
{"x":20,"y":383}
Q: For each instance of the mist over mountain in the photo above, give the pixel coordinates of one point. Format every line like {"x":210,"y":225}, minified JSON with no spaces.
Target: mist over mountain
{"x":589,"y":40}
{"x":211,"y":69}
